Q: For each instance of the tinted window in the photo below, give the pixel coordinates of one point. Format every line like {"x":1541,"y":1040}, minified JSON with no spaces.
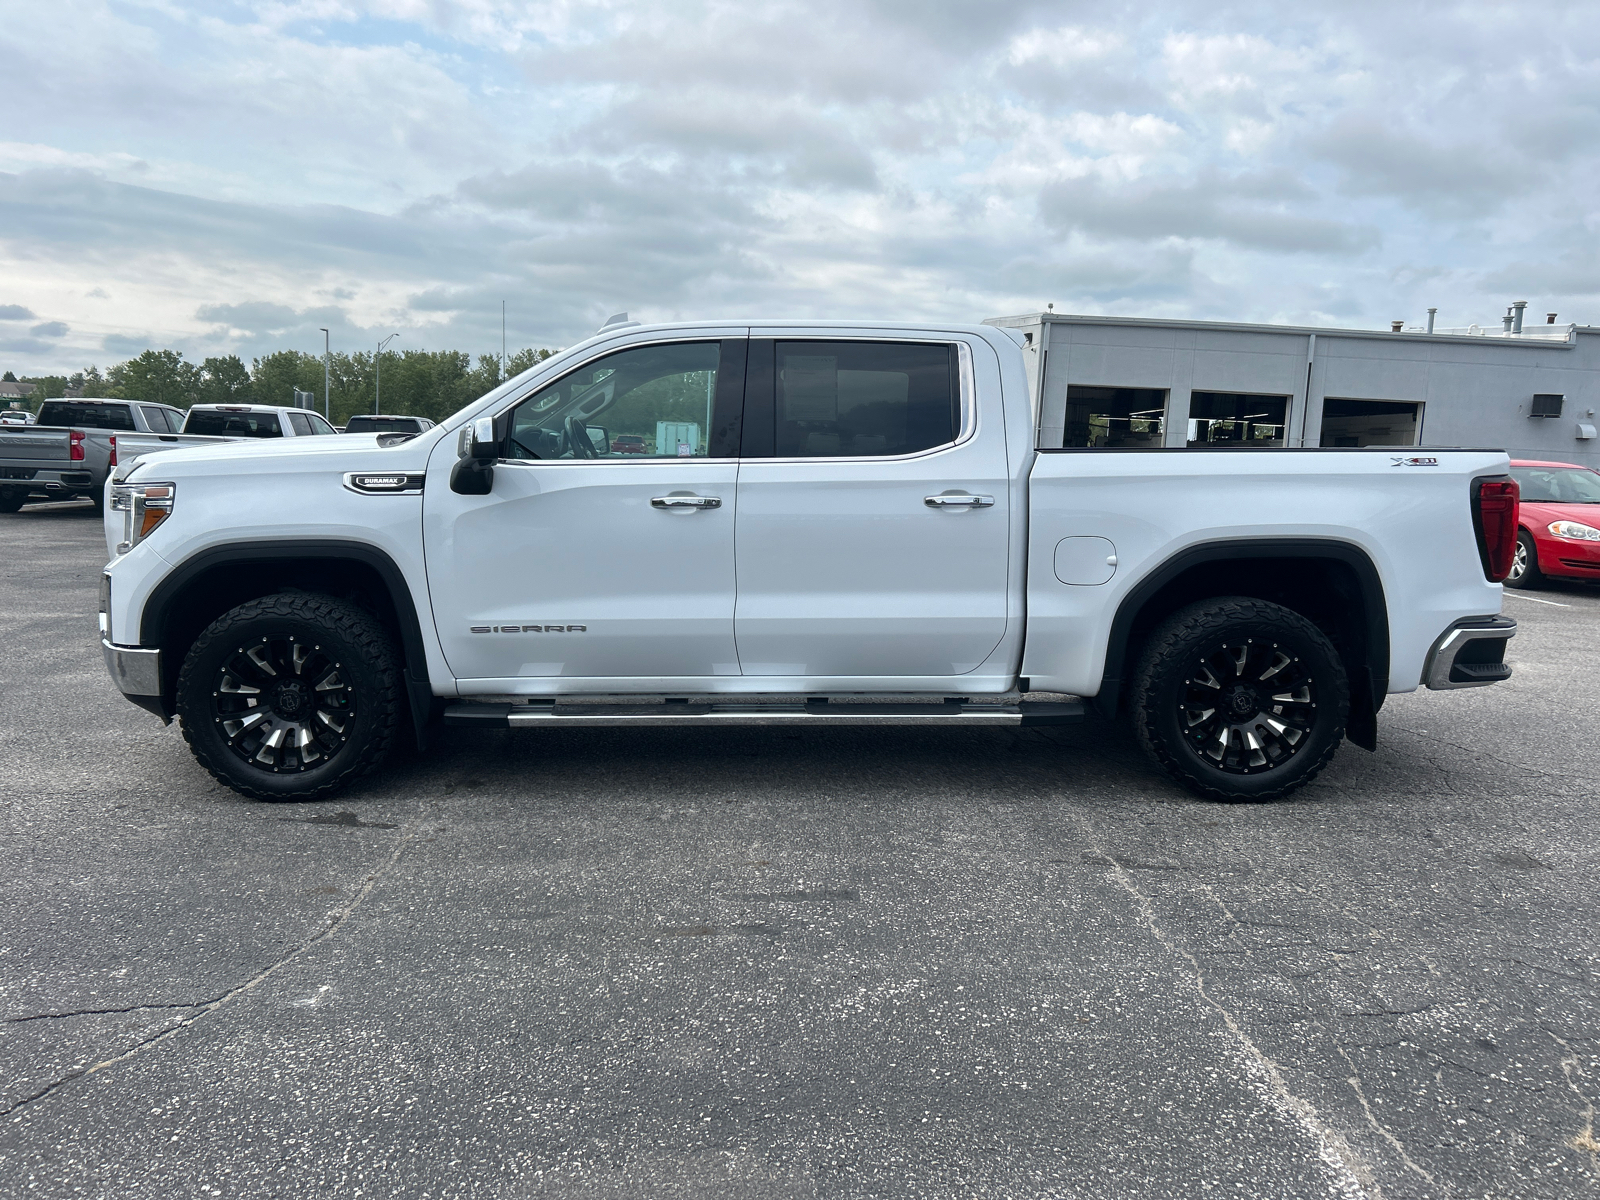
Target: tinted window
{"x":647,"y":402}
{"x":233,"y":424}
{"x":864,"y":399}
{"x":86,"y":416}
{"x":373,"y":424}
{"x":319,"y":426}
{"x":1557,"y":485}
{"x":300,"y":424}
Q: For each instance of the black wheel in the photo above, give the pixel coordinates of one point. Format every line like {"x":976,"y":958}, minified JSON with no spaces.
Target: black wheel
{"x":1525,"y":571}
{"x":1240,"y":699}
{"x":291,"y":697}
{"x":12,"y":499}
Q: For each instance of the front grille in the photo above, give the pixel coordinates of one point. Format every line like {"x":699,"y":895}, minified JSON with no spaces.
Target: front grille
{"x":1578,"y":562}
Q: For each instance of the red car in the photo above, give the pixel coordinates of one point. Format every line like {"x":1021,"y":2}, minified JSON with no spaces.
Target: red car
{"x":1558,"y":535}
{"x":627,"y":443}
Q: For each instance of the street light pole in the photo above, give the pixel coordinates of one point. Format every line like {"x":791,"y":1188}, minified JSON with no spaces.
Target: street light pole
{"x":377,"y":379}
{"x":327,"y":408}
{"x":502,"y":341}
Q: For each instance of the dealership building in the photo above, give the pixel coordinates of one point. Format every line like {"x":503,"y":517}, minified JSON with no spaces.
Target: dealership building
{"x":1531,"y":389}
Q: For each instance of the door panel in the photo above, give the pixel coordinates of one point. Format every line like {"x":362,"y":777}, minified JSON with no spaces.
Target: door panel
{"x":580,"y":544}
{"x":844,"y":568}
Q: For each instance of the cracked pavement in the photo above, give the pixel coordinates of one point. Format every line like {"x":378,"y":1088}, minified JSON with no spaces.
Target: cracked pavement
{"x":771,"y":963}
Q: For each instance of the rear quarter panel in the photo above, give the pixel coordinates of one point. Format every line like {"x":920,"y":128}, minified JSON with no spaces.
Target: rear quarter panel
{"x":1414,"y":523}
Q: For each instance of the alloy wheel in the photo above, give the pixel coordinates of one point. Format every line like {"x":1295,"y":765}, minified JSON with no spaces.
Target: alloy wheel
{"x":283,"y":705}
{"x":1247,"y":706}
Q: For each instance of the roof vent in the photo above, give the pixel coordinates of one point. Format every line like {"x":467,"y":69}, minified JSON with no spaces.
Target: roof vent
{"x":1396,"y":326}
{"x":1549,"y":318}
{"x":1545,"y":405}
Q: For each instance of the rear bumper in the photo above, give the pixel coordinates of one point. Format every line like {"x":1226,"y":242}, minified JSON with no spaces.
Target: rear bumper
{"x":48,"y":480}
{"x":1471,"y":653}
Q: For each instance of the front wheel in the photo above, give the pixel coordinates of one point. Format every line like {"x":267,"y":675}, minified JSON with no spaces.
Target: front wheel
{"x":1524,"y":571}
{"x":1240,"y":699}
{"x":291,"y":697}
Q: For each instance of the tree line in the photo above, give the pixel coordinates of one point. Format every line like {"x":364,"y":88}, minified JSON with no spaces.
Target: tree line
{"x":419,"y":383}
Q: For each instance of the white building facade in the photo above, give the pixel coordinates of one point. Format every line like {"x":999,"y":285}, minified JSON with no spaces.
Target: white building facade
{"x":1118,"y":381}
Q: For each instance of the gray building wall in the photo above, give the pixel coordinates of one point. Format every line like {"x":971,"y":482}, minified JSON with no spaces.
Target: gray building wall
{"x":1475,"y":391}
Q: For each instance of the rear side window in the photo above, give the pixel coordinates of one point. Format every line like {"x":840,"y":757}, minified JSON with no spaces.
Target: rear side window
{"x":319,"y":426}
{"x":86,"y":416}
{"x":864,"y":399}
{"x":301,"y":424}
{"x":156,"y":418}
{"x":233,"y":424}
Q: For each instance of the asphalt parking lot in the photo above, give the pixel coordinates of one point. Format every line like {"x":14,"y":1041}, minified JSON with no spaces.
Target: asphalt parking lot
{"x":760,"y":963}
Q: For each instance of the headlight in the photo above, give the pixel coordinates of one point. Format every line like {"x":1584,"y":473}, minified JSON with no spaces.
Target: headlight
{"x":1575,"y":530}
{"x":144,"y":506}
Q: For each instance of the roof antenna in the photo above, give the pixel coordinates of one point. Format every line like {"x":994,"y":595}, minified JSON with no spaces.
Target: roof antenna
{"x":616,"y":321}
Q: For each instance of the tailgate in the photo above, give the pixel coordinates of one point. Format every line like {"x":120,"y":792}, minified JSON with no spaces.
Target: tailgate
{"x":37,"y":446}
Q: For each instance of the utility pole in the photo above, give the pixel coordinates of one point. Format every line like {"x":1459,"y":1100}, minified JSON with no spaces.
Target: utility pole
{"x":377,"y":379}
{"x":502,"y":341}
{"x":327,"y":408}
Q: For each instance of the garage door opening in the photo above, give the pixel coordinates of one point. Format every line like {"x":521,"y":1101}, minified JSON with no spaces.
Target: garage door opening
{"x":1370,"y":423}
{"x":1237,"y":419}
{"x":1105,"y":416}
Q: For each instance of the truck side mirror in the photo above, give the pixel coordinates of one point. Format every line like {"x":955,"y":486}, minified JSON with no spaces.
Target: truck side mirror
{"x":473,"y":474}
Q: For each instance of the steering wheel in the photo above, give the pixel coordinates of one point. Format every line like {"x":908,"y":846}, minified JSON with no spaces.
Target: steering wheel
{"x":578,"y":439}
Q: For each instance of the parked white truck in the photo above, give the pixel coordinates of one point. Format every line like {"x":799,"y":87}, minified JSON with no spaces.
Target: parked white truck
{"x":865,"y":535}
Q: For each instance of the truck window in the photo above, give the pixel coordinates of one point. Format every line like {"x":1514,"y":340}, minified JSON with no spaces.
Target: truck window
{"x":319,"y":426}
{"x":86,"y":416}
{"x":645,"y":402}
{"x":156,"y":418}
{"x":864,"y":399}
{"x":300,"y":423}
{"x":233,"y":424}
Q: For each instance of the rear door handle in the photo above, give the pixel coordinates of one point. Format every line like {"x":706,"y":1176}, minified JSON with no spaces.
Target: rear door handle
{"x":959,"y":501}
{"x":686,"y":502}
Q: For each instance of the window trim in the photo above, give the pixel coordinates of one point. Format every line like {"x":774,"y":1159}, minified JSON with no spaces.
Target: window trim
{"x":965,"y":383}
{"x":502,"y":418}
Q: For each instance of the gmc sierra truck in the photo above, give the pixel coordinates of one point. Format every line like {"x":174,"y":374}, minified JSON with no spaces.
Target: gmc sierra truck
{"x":818,"y":524}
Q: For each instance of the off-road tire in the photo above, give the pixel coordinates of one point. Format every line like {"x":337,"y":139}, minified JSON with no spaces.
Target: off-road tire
{"x":350,"y":637}
{"x":12,"y":499}
{"x":1527,"y":555}
{"x":1171,"y":671}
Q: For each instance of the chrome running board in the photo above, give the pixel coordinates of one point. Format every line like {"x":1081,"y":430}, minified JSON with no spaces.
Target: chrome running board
{"x":549,"y":713}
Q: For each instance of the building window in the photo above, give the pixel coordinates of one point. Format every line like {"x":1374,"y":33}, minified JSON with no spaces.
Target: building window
{"x":1236,"y":419}
{"x":1370,"y":422}
{"x":1106,"y":416}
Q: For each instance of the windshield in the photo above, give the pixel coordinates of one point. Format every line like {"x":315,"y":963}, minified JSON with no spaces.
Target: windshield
{"x":1557,"y":485}
{"x":233,"y":424}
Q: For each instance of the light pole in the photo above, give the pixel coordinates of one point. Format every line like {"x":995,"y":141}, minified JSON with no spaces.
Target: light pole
{"x":377,"y":379}
{"x":327,"y":408}
{"x":502,"y":341}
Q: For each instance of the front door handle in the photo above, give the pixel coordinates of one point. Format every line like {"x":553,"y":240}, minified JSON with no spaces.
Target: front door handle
{"x":686,"y":502}
{"x":959,"y":501}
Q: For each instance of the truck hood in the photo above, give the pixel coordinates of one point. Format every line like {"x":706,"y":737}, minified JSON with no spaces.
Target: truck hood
{"x":358,"y":449}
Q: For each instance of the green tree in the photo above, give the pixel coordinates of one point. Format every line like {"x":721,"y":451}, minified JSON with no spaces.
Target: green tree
{"x":92,"y":382}
{"x":162,"y":376}
{"x":275,"y":377}
{"x":224,"y":381}
{"x":8,"y":377}
{"x":46,"y":387}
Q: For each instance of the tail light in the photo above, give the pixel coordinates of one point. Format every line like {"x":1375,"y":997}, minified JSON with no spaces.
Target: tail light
{"x":75,"y":445}
{"x":1494,"y":519}
{"x":113,"y":461}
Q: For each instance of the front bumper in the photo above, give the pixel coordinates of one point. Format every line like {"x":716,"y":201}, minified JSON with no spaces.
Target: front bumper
{"x":1471,"y":653}
{"x":137,"y":671}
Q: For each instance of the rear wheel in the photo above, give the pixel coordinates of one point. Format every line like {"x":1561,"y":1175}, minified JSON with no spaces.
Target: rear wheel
{"x":11,"y":499}
{"x":291,"y":697}
{"x":1240,"y":699}
{"x":1525,"y":571}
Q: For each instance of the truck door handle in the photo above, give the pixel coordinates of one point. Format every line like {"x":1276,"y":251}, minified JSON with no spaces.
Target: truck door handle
{"x":959,"y":501}
{"x":686,"y":502}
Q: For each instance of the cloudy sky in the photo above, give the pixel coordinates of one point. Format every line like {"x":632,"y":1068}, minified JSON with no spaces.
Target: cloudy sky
{"x":228,"y":177}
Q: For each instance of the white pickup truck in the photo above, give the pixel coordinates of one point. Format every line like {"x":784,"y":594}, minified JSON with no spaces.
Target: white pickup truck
{"x":818,"y":523}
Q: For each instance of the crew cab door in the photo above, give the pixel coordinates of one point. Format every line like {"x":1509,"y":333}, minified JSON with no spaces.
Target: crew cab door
{"x":873,"y":512}
{"x":605,"y":549}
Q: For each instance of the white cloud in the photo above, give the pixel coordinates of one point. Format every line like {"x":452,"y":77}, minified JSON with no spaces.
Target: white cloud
{"x":232,"y":178}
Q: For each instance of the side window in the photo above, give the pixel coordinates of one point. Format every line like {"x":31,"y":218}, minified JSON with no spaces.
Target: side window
{"x":678,"y":400}
{"x":300,"y":423}
{"x":155,"y":418}
{"x":174,"y":420}
{"x":864,"y":399}
{"x":319,"y":426}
